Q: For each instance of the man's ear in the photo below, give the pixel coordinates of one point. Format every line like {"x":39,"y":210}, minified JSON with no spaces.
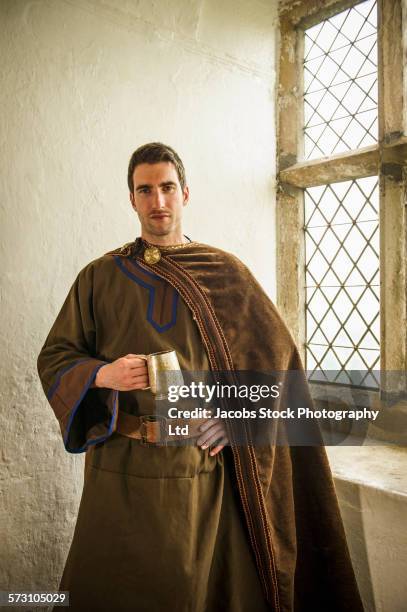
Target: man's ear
{"x":133,"y":201}
{"x":186,"y":195}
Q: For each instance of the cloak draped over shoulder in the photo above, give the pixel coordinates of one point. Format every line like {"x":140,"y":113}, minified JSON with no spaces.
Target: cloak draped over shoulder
{"x":286,"y":494}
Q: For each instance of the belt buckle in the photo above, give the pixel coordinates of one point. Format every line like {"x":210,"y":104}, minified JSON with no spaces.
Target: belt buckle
{"x":151,"y":418}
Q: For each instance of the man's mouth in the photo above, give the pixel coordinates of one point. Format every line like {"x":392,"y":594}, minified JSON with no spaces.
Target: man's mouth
{"x":159,"y":216}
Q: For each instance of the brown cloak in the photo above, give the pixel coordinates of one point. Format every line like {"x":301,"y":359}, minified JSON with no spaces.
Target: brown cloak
{"x":286,"y":492}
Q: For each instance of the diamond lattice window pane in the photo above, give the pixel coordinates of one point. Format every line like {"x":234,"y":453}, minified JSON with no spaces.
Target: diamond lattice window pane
{"x":340,"y":82}
{"x":342,"y":280}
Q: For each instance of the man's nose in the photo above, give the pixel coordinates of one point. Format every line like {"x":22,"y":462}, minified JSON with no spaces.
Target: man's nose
{"x":159,"y":199}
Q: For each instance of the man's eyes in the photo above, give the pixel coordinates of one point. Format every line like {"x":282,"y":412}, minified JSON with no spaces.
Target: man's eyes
{"x":166,"y":188}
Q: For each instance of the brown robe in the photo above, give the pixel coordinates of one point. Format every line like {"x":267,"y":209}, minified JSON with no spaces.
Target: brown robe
{"x":286,"y":498}
{"x":157,"y":527}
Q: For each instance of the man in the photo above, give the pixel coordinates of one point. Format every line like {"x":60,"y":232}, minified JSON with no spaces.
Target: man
{"x":209,"y":525}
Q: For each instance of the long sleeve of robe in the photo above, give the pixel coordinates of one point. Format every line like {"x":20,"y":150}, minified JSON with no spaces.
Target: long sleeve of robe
{"x":68,"y":364}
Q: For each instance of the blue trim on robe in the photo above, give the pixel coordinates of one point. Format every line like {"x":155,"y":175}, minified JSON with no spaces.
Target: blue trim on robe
{"x":152,"y":292}
{"x":60,"y":374}
{"x":75,"y":408}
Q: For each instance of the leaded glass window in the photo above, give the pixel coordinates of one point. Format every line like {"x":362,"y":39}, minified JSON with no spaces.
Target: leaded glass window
{"x":342,"y":218}
{"x":340,"y":82}
{"x":342,"y":281}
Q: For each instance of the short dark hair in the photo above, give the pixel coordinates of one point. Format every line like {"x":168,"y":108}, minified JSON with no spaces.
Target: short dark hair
{"x":153,"y":153}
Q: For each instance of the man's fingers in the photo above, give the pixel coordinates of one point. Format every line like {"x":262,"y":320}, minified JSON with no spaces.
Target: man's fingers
{"x":209,"y":423}
{"x":134,"y":386}
{"x":134,"y":379}
{"x":140,"y":384}
{"x":210,"y":434}
{"x":216,"y":450}
{"x":213,"y":440}
{"x":136,"y":376}
{"x":136,"y":362}
{"x":139,"y":379}
{"x":219,"y":447}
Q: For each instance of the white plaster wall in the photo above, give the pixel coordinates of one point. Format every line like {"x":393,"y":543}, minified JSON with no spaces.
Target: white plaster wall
{"x":85,"y":82}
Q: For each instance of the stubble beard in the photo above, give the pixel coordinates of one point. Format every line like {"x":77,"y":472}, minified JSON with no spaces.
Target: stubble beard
{"x":155,"y":230}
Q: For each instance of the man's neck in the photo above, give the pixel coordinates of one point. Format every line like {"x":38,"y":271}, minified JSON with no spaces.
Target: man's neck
{"x":167,"y":240}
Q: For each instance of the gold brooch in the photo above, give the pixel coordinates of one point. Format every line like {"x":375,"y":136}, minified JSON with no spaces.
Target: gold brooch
{"x":152,"y":255}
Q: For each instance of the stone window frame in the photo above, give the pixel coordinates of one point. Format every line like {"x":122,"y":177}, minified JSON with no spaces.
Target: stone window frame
{"x":387,"y":159}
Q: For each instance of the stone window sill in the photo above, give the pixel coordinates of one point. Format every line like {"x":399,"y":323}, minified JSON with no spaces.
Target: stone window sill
{"x":381,"y":467}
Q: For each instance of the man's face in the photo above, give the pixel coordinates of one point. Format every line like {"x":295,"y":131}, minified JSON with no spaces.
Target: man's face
{"x":158,"y":200}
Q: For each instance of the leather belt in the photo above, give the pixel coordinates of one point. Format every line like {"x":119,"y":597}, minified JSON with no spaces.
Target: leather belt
{"x":154,"y":429}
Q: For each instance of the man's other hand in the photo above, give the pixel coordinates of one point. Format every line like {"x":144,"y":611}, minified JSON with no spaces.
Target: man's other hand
{"x":125,"y":374}
{"x":213,"y":430}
